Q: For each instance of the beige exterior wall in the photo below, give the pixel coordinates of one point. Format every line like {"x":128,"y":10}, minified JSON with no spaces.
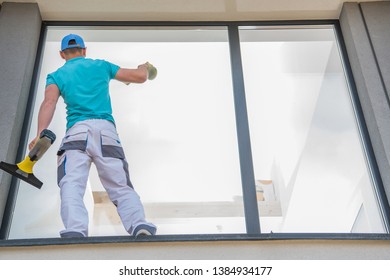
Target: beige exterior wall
{"x":210,"y":250}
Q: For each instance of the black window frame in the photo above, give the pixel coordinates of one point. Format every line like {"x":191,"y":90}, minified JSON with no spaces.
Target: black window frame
{"x":242,"y":125}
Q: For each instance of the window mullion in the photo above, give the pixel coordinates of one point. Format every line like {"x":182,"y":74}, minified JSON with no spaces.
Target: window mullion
{"x":244,"y":145}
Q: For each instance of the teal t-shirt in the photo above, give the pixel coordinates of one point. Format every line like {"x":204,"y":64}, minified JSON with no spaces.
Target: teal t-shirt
{"x":84,"y":85}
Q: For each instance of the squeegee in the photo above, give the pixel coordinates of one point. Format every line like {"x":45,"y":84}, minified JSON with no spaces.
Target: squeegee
{"x":24,"y":169}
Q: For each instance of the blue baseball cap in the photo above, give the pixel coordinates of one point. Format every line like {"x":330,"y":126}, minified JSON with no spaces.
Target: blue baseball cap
{"x":79,"y":42}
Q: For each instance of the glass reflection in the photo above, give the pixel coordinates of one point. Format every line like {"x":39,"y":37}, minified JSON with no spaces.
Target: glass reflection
{"x":310,"y":169}
{"x":178,"y":132}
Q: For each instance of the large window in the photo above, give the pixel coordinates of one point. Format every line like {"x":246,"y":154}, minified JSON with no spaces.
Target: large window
{"x":185,"y":134}
{"x":309,"y":160}
{"x":178,"y":132}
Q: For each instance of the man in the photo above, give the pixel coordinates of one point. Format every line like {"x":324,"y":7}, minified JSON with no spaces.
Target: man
{"x":91,"y":136}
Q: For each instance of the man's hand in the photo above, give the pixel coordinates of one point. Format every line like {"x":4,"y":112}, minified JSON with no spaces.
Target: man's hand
{"x":152,"y":71}
{"x":138,"y":75}
{"x":32,"y":143}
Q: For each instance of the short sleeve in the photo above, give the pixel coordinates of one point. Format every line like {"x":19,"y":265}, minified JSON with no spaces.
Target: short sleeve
{"x":50,"y":80}
{"x":112,"y":69}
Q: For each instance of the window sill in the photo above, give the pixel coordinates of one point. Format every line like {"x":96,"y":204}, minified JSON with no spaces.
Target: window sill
{"x":193,"y":238}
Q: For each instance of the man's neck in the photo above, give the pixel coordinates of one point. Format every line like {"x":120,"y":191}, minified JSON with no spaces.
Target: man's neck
{"x":71,"y":56}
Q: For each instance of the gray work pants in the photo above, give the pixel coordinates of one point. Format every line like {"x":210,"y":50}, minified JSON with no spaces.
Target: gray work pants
{"x":95,"y":141}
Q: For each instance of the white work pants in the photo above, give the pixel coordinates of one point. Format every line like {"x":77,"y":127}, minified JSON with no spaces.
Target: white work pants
{"x":95,"y":141}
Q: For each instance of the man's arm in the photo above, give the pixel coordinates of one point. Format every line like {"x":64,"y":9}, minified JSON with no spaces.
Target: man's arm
{"x":139,"y":75}
{"x":46,"y":111}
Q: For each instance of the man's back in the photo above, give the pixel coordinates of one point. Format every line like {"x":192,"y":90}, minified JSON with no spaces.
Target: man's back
{"x":84,"y":85}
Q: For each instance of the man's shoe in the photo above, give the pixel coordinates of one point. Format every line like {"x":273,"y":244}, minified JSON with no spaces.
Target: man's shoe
{"x":144,"y":230}
{"x":71,"y":234}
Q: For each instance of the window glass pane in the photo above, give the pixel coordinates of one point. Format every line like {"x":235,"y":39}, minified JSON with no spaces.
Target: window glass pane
{"x":178,"y":132}
{"x":310,"y":168}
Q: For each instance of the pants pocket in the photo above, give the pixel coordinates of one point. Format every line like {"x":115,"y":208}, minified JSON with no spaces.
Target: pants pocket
{"x":111,"y":145}
{"x":75,"y":139}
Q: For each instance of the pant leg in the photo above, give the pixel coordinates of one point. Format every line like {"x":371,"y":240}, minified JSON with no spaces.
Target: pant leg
{"x":73,"y":170}
{"x":113,"y":171}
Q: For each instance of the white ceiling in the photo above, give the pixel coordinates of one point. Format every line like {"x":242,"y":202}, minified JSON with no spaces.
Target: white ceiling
{"x":188,"y":10}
